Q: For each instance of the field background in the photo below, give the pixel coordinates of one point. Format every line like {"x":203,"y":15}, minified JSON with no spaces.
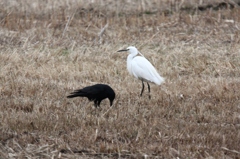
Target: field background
{"x":49,"y":48}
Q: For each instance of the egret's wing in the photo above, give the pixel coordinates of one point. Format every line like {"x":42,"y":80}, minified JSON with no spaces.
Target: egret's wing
{"x":143,"y":69}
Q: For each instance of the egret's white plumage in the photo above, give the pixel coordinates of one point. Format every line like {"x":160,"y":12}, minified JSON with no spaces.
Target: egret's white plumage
{"x":141,"y":68}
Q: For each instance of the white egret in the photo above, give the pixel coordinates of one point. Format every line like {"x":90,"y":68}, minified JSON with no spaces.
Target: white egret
{"x":141,"y":68}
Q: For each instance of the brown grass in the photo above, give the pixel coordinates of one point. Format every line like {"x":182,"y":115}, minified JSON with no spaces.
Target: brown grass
{"x":49,"y":49}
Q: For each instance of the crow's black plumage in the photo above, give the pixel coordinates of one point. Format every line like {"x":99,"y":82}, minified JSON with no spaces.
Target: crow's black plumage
{"x":95,"y":93}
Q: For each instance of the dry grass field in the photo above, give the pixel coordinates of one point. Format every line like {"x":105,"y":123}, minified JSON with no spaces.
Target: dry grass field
{"x":50,"y":48}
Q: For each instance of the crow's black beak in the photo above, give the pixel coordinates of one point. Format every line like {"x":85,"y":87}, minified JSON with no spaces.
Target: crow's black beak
{"x":122,"y":50}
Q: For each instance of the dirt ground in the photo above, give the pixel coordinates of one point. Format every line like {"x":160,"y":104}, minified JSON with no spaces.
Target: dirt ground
{"x":50,"y":48}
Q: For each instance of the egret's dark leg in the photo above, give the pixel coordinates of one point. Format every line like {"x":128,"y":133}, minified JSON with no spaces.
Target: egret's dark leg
{"x":149,"y":90}
{"x":142,"y":88}
{"x":148,"y":87}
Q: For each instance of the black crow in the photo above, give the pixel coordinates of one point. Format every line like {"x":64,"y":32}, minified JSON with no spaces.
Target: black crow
{"x":95,"y":93}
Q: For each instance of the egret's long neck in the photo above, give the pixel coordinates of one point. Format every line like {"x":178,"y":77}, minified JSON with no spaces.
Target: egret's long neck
{"x":130,"y":57}
{"x":129,"y":64}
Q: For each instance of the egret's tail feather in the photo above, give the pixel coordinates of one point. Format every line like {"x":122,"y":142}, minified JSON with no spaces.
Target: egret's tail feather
{"x":159,"y":80}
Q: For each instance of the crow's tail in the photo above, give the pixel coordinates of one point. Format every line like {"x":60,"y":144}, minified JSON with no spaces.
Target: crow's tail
{"x":72,"y":96}
{"x":76,"y":94}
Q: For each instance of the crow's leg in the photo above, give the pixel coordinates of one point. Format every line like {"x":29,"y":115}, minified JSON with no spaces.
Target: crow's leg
{"x":98,"y":103}
{"x":95,"y":103}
